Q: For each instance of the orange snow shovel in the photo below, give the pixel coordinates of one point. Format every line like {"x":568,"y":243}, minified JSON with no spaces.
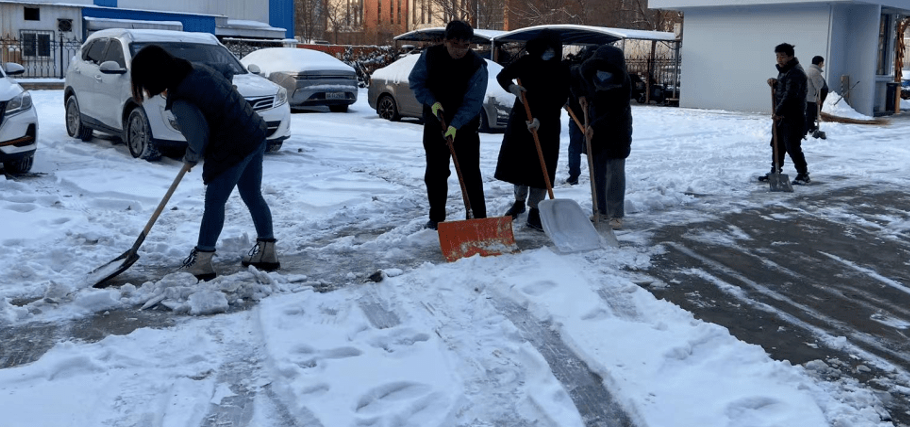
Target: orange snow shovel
{"x":465,"y":238}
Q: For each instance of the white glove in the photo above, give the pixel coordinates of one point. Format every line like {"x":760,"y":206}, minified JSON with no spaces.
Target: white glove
{"x":517,"y":90}
{"x":533,"y":125}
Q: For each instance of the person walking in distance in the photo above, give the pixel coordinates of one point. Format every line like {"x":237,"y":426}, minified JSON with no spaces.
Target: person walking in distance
{"x":544,"y":82}
{"x":450,"y":80}
{"x":222,"y":130}
{"x":604,"y":90}
{"x":789,"y":115}
{"x":816,"y":92}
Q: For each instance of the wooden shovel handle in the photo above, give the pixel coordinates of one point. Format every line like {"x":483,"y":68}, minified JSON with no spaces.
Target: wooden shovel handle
{"x":590,"y":157}
{"x":543,"y":163}
{"x":464,"y":190}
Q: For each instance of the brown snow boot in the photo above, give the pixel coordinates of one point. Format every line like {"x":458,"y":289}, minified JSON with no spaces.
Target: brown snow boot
{"x":263,"y":255}
{"x":199,"y":263}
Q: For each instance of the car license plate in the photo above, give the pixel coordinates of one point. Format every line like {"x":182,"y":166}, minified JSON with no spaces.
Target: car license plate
{"x":335,"y":95}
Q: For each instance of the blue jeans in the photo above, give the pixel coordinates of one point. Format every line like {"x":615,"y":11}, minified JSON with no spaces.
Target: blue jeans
{"x":246,"y":176}
{"x":576,"y":147}
{"x":610,"y":179}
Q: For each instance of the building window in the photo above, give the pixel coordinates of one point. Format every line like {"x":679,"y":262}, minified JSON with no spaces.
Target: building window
{"x":884,"y":38}
{"x":32,"y":14}
{"x":35,"y":44}
{"x":399,"y":12}
{"x":379,"y":11}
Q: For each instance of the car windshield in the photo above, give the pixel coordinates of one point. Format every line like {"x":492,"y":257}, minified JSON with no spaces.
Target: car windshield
{"x":196,"y":52}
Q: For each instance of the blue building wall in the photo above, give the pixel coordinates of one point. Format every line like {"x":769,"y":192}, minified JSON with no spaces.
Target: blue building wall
{"x":106,"y":3}
{"x":191,"y":23}
{"x":281,"y":15}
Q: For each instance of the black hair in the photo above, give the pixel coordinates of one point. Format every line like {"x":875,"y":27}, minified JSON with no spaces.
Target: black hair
{"x":154,"y":69}
{"x":459,"y":30}
{"x":817,"y":60}
{"x":544,"y":40}
{"x":785,"y":48}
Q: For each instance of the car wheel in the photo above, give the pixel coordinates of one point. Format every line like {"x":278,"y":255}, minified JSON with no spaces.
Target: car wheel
{"x":139,"y":136}
{"x":21,"y":165}
{"x":74,"y":126}
{"x":484,"y":121}
{"x":339,"y":109}
{"x":387,"y":109}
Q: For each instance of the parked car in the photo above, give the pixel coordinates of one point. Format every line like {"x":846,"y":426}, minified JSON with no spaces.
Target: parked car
{"x":97,"y":93}
{"x":311,"y":77}
{"x":18,"y":122}
{"x":391,"y":95}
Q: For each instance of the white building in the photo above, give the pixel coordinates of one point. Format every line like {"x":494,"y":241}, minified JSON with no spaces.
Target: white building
{"x":728,"y":48}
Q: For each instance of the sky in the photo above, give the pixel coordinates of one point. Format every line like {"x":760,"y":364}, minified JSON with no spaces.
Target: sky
{"x":425,"y":342}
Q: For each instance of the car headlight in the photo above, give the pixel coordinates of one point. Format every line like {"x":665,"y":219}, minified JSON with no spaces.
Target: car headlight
{"x":281,"y":97}
{"x":19,"y":103}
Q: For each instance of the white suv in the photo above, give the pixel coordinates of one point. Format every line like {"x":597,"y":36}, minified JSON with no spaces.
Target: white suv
{"x":98,"y":96}
{"x":18,"y":122}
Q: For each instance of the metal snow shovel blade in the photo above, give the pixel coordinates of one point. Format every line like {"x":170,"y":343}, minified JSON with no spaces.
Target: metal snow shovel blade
{"x":562,"y":219}
{"x":465,"y":238}
{"x":779,"y":182}
{"x":603,"y":228}
{"x":99,"y":276}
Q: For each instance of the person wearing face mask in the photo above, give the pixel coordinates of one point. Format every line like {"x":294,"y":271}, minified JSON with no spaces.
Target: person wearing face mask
{"x":604,"y":89}
{"x":545,"y":83}
{"x":450,"y":80}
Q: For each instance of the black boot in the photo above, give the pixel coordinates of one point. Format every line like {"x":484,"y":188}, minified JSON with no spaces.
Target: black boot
{"x":534,"y":219}
{"x":517,"y":208}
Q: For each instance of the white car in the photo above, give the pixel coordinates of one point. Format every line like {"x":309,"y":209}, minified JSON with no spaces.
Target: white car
{"x":390,"y":94}
{"x":312,"y":78}
{"x":97,"y":92}
{"x":18,"y":122}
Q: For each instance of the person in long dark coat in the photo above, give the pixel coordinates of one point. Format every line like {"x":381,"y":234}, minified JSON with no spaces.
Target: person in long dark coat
{"x":789,"y":115}
{"x":544,"y":80}
{"x":605,"y":89}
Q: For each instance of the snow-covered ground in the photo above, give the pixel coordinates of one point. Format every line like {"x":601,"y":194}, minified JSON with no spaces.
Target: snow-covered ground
{"x":432,"y":343}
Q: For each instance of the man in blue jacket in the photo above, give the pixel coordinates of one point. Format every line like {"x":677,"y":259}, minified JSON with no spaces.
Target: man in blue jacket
{"x":450,"y":80}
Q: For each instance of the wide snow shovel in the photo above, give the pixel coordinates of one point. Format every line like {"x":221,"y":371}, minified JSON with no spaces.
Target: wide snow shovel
{"x":563,"y":219}
{"x":605,"y":230}
{"x":117,"y":266}
{"x":779,"y":182}
{"x":464,"y":238}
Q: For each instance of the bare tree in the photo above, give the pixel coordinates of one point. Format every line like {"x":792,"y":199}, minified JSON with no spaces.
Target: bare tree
{"x":650,"y":19}
{"x":344,"y":17}
{"x":310,"y":18}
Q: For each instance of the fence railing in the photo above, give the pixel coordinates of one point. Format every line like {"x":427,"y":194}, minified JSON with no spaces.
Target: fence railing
{"x":41,"y":57}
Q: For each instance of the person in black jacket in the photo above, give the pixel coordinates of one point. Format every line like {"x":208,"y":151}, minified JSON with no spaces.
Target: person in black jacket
{"x":222,"y":129}
{"x":789,"y":115}
{"x":576,"y":134}
{"x":604,"y":90}
{"x":544,"y":81}
{"x":450,"y":80}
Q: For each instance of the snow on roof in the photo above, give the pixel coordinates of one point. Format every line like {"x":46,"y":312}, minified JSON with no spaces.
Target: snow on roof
{"x":272,"y":60}
{"x":572,"y":34}
{"x":481,"y":36}
{"x":153,"y":35}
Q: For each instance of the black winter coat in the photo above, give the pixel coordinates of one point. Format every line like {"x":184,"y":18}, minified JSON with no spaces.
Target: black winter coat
{"x":608,"y":102}
{"x":790,"y":93}
{"x":547,"y":85}
{"x":235,"y":130}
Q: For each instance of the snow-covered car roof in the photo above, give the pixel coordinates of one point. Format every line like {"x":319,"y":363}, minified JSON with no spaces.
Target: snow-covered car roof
{"x":271,"y":60}
{"x":150,"y":35}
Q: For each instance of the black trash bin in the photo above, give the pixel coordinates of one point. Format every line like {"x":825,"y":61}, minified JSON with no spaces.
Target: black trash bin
{"x":891,"y":92}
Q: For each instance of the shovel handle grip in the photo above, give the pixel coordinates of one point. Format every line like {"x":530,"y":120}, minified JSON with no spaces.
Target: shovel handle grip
{"x":543,"y":163}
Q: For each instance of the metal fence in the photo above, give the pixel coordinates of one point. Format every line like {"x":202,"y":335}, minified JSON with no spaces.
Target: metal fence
{"x":40,"y":54}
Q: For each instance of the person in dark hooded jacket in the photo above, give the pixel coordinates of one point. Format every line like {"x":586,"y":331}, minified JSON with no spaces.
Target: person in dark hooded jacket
{"x":789,"y":115}
{"x":604,"y":90}
{"x":222,"y":129}
{"x":545,"y":83}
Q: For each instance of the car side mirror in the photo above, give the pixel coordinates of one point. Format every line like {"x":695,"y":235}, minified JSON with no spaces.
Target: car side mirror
{"x":255,"y":69}
{"x":13,"y":69}
{"x":111,"y":67}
